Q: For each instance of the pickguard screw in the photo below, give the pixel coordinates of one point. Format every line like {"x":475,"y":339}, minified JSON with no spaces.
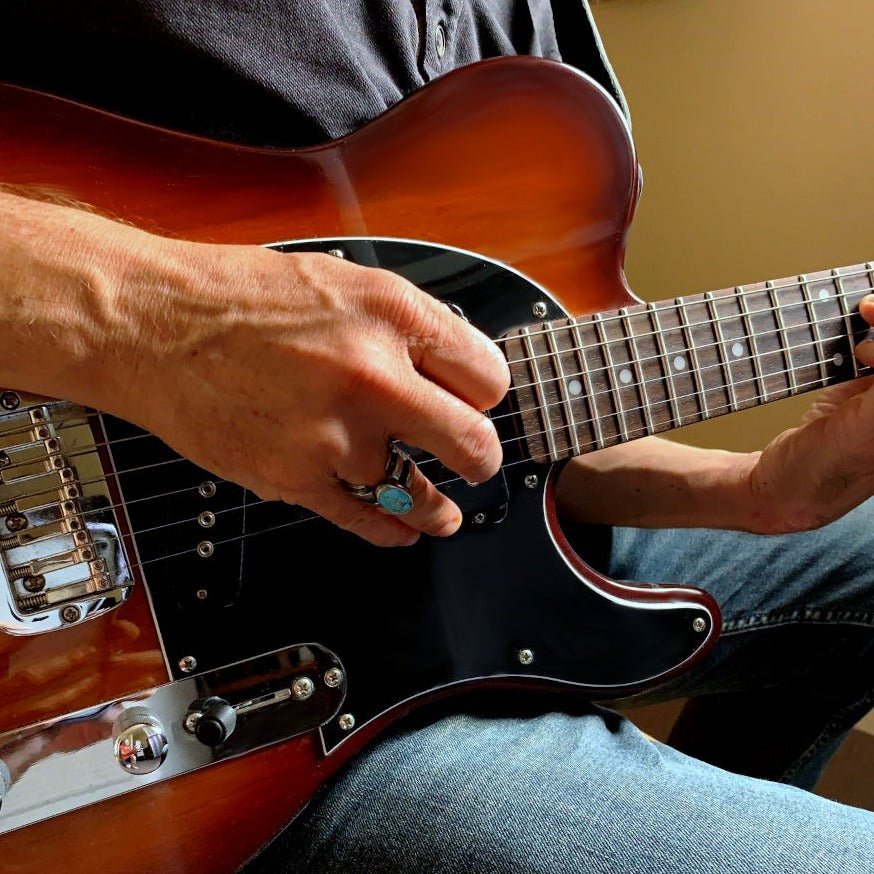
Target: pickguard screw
{"x":207,"y":489}
{"x":201,"y":594}
{"x":206,"y":519}
{"x":333,"y":677}
{"x":205,"y":549}
{"x":9,"y":400}
{"x":531,"y":481}
{"x":5,"y":460}
{"x":525,"y":656}
{"x":302,"y":688}
{"x":71,"y":613}
{"x":16,"y":522}
{"x":346,"y":722}
{"x":337,"y":253}
{"x":187,"y":664}
{"x":539,"y":309}
{"x":479,"y":518}
{"x":698,"y":624}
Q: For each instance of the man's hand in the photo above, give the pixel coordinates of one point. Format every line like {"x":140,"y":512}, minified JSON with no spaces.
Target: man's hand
{"x":813,"y":474}
{"x":806,"y":477}
{"x":285,"y":373}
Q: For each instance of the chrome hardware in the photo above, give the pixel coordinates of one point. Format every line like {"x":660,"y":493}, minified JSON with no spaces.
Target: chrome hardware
{"x":205,"y":549}
{"x":302,"y":688}
{"x":206,"y":519}
{"x":531,"y":481}
{"x":207,"y":489}
{"x":698,"y":624}
{"x":525,"y":656}
{"x":346,"y":722}
{"x":119,"y":746}
{"x":479,"y":518}
{"x":187,"y":664}
{"x":9,"y":400}
{"x":141,"y":744}
{"x":61,"y":554}
{"x":337,"y":253}
{"x":333,"y":678}
{"x":70,"y":614}
{"x":201,"y":594}
{"x":539,"y":309}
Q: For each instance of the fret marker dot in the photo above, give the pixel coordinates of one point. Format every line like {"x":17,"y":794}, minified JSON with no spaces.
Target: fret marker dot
{"x":625,"y":375}
{"x":575,"y":387}
{"x":737,"y":350}
{"x":824,"y":293}
{"x":679,"y":363}
{"x":838,"y":359}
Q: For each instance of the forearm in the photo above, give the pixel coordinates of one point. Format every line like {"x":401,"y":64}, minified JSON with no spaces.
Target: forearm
{"x":64,"y":322}
{"x":656,"y":483}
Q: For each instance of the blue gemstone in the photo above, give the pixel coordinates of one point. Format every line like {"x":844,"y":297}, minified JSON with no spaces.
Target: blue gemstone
{"x":394,"y":499}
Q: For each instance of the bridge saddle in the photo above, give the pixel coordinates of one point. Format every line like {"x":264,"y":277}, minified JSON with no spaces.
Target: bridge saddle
{"x":61,"y":555}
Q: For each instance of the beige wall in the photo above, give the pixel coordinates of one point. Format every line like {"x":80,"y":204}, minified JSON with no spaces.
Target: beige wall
{"x":754,"y":125}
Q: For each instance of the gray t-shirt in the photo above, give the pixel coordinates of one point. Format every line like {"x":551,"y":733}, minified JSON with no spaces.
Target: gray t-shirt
{"x":275,"y":72}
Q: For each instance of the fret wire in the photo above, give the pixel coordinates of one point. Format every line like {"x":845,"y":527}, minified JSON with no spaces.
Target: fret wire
{"x":588,"y":385}
{"x":851,"y":338}
{"x":634,"y":351}
{"x":814,"y":325}
{"x":541,"y":397}
{"x":755,"y":379}
{"x":611,"y":377}
{"x":666,"y":370}
{"x":740,"y":291}
{"x":764,"y":311}
{"x":693,"y":353}
{"x":721,"y":347}
{"x":754,"y":358}
{"x":564,"y":392}
{"x":781,"y":331}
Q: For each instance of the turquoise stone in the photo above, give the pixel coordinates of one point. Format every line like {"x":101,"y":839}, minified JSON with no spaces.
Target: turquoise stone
{"x":395,"y":499}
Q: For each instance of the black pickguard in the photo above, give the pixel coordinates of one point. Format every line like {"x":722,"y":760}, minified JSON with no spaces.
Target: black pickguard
{"x":403,"y":621}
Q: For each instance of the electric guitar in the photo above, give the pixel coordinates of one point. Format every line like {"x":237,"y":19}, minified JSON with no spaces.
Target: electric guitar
{"x":183,"y":665}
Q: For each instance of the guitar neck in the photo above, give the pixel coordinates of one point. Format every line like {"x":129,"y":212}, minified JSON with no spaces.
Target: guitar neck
{"x":585,"y":383}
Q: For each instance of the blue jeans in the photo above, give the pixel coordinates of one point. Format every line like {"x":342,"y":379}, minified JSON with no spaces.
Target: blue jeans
{"x":580,"y":789}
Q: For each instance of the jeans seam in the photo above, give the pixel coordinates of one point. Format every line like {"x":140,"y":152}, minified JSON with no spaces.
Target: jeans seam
{"x":807,"y":615}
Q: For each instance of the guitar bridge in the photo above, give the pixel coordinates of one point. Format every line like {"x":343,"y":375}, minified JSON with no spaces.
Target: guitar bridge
{"x":61,"y":556}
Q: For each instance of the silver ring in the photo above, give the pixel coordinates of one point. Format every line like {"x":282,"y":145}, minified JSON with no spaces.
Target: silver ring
{"x":393,"y":493}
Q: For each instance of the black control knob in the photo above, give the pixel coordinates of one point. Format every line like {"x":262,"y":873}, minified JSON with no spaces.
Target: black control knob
{"x":216,"y":721}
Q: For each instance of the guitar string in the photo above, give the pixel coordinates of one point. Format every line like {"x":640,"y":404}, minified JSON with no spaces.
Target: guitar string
{"x":673,"y":305}
{"x":633,"y":434}
{"x":587,"y":422}
{"x":598,"y":371}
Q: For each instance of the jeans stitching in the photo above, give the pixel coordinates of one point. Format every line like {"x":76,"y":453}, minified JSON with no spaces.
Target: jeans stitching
{"x":808,"y":615}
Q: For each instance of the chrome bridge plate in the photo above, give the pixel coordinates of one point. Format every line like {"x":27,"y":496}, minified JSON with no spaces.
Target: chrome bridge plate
{"x":61,"y":555}
{"x":63,"y":764}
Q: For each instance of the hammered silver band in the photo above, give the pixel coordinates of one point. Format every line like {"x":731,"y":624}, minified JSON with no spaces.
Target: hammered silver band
{"x":393,"y":493}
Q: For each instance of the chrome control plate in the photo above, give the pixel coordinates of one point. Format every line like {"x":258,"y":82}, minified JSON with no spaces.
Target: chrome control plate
{"x":60,"y":765}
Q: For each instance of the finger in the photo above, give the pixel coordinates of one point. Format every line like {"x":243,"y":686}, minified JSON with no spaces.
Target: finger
{"x":464,"y":439}
{"x":866,"y":308}
{"x":431,"y":512}
{"x":462,"y":360}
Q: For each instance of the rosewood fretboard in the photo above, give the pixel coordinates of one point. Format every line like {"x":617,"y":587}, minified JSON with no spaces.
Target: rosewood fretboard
{"x":584,"y":383}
